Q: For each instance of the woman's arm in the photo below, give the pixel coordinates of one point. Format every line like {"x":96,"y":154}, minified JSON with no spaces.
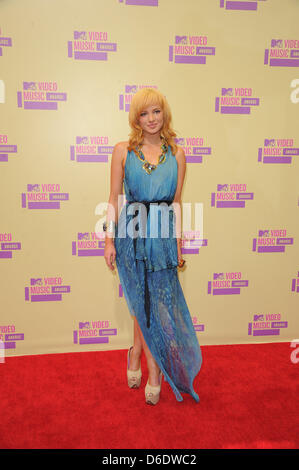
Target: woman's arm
{"x":116,"y":186}
{"x":181,"y":161}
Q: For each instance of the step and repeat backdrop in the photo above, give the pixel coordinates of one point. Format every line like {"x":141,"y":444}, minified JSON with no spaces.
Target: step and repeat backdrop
{"x":68,"y":72}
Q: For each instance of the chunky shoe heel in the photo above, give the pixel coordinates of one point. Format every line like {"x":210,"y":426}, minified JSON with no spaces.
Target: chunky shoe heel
{"x":133,"y":376}
{"x":152,"y":393}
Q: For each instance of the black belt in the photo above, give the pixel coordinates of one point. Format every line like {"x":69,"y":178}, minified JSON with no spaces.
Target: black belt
{"x":146,"y":293}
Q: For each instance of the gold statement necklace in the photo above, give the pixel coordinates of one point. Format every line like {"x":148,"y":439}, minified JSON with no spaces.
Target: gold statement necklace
{"x":147,"y":166}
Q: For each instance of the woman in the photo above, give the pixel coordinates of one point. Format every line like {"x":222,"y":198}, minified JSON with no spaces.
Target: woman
{"x":152,"y":168}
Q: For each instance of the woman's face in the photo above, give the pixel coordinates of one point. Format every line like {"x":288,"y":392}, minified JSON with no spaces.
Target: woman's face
{"x":151,"y":119}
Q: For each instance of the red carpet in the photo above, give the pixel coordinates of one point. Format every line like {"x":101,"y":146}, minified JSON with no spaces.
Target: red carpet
{"x":248,"y":399}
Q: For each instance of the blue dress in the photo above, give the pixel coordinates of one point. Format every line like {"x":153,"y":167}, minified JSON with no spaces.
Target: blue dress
{"x":146,"y":258}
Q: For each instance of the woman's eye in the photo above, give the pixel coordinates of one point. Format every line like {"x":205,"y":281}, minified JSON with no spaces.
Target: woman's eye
{"x":158,"y":111}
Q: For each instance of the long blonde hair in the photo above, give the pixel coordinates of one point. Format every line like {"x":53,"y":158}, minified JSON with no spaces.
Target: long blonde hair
{"x":141,"y":100}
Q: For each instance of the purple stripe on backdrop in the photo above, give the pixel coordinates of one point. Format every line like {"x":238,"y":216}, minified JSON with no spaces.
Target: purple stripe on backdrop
{"x":284,"y":62}
{"x":217,"y":101}
{"x":290,"y":151}
{"x":40,"y":105}
{"x":181,"y":59}
{"x":43,"y":205}
{"x":193,"y":158}
{"x":148,"y":3}
{"x":19,"y":99}
{"x":111,"y":332}
{"x":105,"y":149}
{"x":3,"y":157}
{"x":201,"y":150}
{"x":254,"y":245}
{"x":189,"y":251}
{"x":235,"y":110}
{"x":120,"y":291}
{"x":72,"y":152}
{"x":75,"y":336}
{"x":226,"y":291}
{"x":60,"y":289}
{"x":260,"y":153}
{"x":209,"y":287}
{"x":59,"y":196}
{"x":279,"y":324}
{"x":294,"y":53}
{"x":213,"y":197}
{"x":265,"y":332}
{"x":249,"y":328}
{"x":14,"y":336}
{"x":222,"y":204}
{"x":96,"y":340}
{"x":230,"y":5}
{"x":90,"y":55}
{"x":266,"y":56}
{"x":293,"y":285}
{"x":45,"y":297}
{"x":26,"y":293}
{"x":23,"y":200}
{"x":244,"y":196}
{"x":170,"y":54}
{"x":56,"y":96}
{"x":241,"y":283}
{"x":271,"y":249}
{"x":127,"y":107}
{"x":287,"y":160}
{"x":205,"y":50}
{"x":8,"y":42}
{"x":93,"y":252}
{"x":5,"y":254}
{"x":8,"y":148}
{"x":250,"y":101}
{"x":92,"y":158}
{"x":69,"y":49}
{"x":106,"y":46}
{"x":121,"y":102}
{"x":0,"y":51}
{"x":11,"y":246}
{"x":11,"y":345}
{"x":285,"y":241}
{"x":199,"y":327}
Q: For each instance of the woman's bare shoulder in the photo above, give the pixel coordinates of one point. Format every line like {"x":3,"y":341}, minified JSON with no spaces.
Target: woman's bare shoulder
{"x":180,"y":153}
{"x":123,"y":145}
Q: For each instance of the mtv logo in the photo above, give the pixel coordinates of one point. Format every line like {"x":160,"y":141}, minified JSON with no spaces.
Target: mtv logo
{"x":181,"y":39}
{"x":37,"y":281}
{"x":227,"y":91}
{"x":276,"y":43}
{"x":80,"y":35}
{"x":84,"y":325}
{"x":83,"y":236}
{"x":269,"y":142}
{"x":222,"y":187}
{"x":258,"y":317}
{"x":32,"y":187}
{"x":263,"y":233}
{"x":2,"y":91}
{"x":131,"y":88}
{"x":218,"y":276}
{"x":29,"y":86}
{"x":81,"y":140}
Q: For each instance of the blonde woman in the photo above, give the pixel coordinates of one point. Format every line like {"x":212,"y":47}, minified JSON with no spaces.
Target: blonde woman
{"x":144,"y":241}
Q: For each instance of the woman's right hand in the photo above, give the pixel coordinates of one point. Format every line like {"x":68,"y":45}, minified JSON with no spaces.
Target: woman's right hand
{"x":110,"y":254}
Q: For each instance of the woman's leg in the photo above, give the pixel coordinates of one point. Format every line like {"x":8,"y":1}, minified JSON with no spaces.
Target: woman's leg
{"x":136,"y":351}
{"x":153,"y":368}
